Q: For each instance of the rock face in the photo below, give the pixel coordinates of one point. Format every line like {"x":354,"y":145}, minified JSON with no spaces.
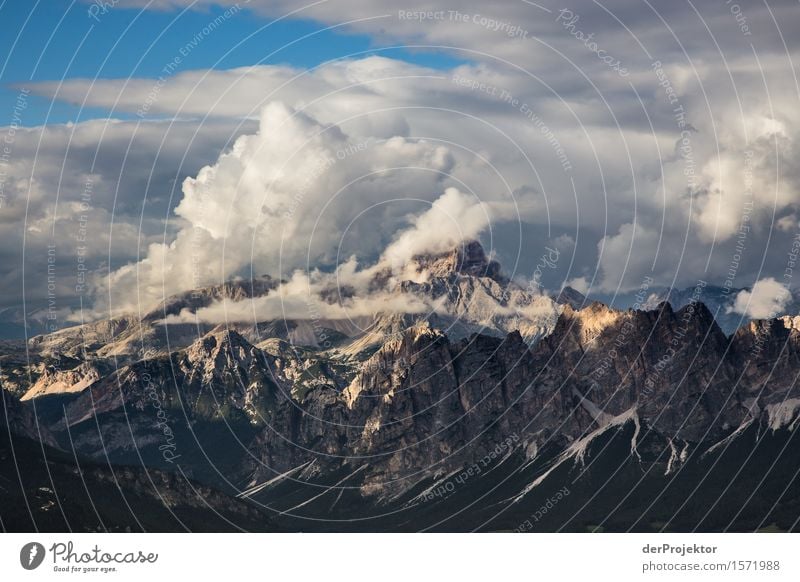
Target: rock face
{"x":670,"y":366}
{"x":473,"y":296}
{"x":57,"y":381}
{"x":571,"y":297}
{"x":468,"y":259}
{"x":414,"y":413}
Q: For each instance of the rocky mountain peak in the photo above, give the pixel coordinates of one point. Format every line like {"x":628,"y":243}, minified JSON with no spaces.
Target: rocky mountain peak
{"x":469,"y":258}
{"x":694,"y":317}
{"x":697,"y":312}
{"x":590,"y":321}
{"x":219,"y":346}
{"x":791,"y":322}
{"x":571,"y":297}
{"x":397,"y":354}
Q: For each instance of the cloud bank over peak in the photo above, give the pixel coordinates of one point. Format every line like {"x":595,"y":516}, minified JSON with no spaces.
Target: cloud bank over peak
{"x":683,"y":169}
{"x":353,"y":290}
{"x":299,"y":196}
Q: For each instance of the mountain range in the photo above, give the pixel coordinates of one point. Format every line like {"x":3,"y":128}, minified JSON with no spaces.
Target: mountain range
{"x":499,"y":409}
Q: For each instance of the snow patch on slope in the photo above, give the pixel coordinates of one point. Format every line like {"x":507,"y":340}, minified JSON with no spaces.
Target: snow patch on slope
{"x":781,"y":414}
{"x":577,"y":450}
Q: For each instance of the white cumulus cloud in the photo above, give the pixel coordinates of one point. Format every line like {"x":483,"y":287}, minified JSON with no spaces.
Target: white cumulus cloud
{"x":767,"y":299}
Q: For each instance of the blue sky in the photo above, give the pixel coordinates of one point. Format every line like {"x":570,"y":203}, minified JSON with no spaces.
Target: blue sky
{"x":55,"y":39}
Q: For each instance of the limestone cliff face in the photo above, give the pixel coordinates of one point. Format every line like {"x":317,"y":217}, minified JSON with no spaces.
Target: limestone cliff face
{"x":423,"y":404}
{"x":468,"y":259}
{"x":671,"y":366}
{"x":474,"y":296}
{"x":409,"y":398}
{"x":57,"y":381}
